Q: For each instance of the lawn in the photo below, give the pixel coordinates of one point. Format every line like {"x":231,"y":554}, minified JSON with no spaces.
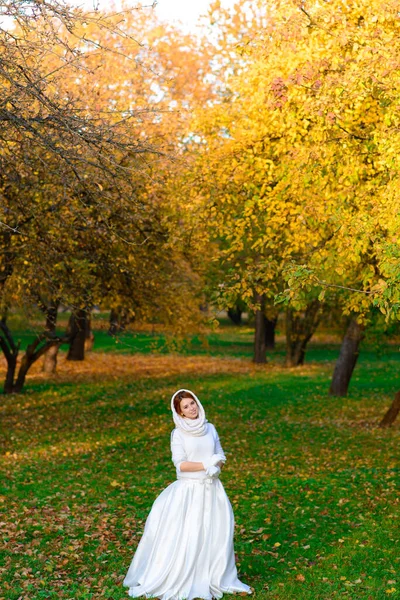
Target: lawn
{"x":313,"y":481}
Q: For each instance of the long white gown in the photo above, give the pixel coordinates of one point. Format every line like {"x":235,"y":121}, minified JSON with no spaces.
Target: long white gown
{"x":186,"y":550}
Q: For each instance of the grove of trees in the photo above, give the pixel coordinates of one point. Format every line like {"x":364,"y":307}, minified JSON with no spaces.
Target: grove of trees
{"x":253,"y":165}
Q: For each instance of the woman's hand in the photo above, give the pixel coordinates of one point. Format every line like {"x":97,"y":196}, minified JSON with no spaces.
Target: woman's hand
{"x":213,"y":461}
{"x":213,"y":471}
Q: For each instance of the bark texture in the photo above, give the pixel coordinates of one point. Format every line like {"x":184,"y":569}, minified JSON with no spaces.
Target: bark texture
{"x":77,"y":334}
{"x":10,"y":350}
{"x":270,"y":325}
{"x":349,"y":352}
{"x":33,"y":352}
{"x":50,"y":359}
{"x":89,"y":335}
{"x":391,"y":414}
{"x":300,"y":327}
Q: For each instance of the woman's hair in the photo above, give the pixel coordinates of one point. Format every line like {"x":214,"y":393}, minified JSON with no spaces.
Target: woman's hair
{"x":180,"y":396}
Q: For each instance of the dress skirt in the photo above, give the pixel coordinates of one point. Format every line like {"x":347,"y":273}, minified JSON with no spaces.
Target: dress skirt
{"x":186,"y":550}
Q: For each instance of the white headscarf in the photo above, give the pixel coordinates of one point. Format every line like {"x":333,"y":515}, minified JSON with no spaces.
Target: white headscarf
{"x":194,"y":427}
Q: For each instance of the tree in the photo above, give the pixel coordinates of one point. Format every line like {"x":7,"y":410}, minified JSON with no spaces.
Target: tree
{"x":359,"y":95}
{"x":78,"y":212}
{"x":243,"y":175}
{"x":298,"y":167}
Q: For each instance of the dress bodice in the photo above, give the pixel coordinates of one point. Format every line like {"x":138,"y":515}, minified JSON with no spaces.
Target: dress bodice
{"x":185,"y":447}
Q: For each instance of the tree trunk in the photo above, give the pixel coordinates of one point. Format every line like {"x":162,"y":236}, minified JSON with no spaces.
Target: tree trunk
{"x":235,"y":315}
{"x":347,"y":360}
{"x":260,"y":351}
{"x":11,"y":368}
{"x":77,"y":330}
{"x":89,"y":335}
{"x":300,"y":327}
{"x":50,"y":359}
{"x":51,"y":354}
{"x":270,"y":325}
{"x":391,"y":414}
{"x":113,"y":322}
{"x":119,"y":319}
{"x":10,"y":350}
{"x":32,"y":354}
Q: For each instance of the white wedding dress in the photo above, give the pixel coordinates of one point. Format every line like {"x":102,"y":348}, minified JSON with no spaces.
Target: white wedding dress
{"x":186,"y":550}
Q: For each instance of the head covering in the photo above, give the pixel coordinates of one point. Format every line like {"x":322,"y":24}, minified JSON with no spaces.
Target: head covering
{"x":194,"y":427}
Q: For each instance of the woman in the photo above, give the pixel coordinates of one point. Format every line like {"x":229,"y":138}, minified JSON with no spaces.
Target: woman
{"x":187,"y":546}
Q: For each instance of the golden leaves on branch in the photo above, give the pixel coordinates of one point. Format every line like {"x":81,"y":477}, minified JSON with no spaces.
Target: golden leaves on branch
{"x":299,"y":162}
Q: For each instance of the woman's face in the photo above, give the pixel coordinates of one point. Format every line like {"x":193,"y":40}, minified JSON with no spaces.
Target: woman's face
{"x":189,"y":408}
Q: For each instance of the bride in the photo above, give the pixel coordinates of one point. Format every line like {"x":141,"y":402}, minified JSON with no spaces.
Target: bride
{"x":186,"y":550}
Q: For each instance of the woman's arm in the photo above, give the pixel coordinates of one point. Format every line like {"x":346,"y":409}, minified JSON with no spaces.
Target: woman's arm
{"x":179,"y":456}
{"x":190,"y":467}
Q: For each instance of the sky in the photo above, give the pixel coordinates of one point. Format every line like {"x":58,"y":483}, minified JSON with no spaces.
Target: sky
{"x":185,"y":11}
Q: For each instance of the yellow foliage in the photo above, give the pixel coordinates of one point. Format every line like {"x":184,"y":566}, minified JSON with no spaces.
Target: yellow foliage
{"x":301,"y":161}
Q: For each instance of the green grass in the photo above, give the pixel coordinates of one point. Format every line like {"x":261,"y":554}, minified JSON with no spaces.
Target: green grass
{"x":228,"y":341}
{"x":313,"y":481}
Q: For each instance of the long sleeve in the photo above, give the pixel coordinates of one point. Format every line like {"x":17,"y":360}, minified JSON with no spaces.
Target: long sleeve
{"x":178,"y":451}
{"x":218,"y":447}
